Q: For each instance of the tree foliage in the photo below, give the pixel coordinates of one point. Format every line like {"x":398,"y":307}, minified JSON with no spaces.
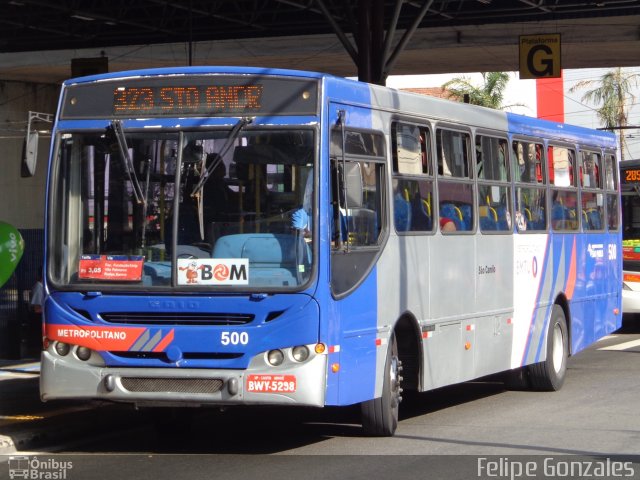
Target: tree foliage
{"x":489,"y":94}
{"x":612,"y":94}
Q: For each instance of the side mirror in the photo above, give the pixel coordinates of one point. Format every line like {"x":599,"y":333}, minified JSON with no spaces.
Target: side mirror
{"x":30,"y":145}
{"x":29,"y":155}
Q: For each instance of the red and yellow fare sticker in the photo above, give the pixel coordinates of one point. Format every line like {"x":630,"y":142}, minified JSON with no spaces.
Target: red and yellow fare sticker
{"x":271,"y":383}
{"x":111,"y":267}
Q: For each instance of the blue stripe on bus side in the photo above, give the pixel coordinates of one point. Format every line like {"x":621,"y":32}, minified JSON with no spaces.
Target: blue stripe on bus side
{"x":358,"y":350}
{"x":557,"y":284}
{"x":539,"y":298}
{"x":357,"y":314}
{"x":597,"y":291}
{"x":583,"y":273}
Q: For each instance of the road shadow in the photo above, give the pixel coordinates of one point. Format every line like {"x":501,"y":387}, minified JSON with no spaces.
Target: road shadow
{"x":263,"y":430}
{"x":630,"y":323}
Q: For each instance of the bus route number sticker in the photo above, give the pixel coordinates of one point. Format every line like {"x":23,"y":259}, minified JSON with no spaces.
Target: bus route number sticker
{"x":271,"y":383}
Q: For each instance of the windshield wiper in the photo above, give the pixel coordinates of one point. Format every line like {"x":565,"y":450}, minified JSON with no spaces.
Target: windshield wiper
{"x":127,"y":161}
{"x":235,"y":131}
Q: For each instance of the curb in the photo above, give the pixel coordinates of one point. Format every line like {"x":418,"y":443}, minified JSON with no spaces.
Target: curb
{"x":7,"y":445}
{"x":73,"y":424}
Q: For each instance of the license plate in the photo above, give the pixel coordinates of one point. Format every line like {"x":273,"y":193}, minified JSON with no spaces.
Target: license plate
{"x":271,"y":383}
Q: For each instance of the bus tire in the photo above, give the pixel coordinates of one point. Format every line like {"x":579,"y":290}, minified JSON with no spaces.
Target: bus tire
{"x":549,"y":375}
{"x":380,"y":415}
{"x":517,"y":379}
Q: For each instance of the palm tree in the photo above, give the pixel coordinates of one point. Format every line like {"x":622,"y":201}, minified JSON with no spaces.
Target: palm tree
{"x":490,"y":94}
{"x":613,"y":92}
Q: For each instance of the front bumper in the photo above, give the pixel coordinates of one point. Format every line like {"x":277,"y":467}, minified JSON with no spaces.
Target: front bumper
{"x":68,"y":377}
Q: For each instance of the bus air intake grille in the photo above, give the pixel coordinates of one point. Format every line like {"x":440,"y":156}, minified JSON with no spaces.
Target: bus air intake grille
{"x":136,"y":355}
{"x":169,"y":385}
{"x":177,"y":318}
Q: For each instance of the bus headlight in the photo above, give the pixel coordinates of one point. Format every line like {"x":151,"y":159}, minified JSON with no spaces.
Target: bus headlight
{"x":300,"y":353}
{"x":62,"y":349}
{"x":275,"y":357}
{"x":83,"y":353}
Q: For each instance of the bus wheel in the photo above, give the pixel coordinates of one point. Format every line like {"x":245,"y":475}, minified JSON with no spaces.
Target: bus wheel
{"x":380,"y":415}
{"x":516,"y":379}
{"x":549,"y":375}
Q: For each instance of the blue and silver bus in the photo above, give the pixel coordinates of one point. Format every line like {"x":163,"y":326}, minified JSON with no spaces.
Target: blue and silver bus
{"x":246,"y":236}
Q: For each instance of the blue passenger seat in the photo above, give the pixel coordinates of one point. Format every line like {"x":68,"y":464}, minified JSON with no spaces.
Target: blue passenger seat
{"x":504,"y":222}
{"x":401,"y":213}
{"x":488,"y":218}
{"x":558,"y":213}
{"x":274,"y":259}
{"x":467,"y":215}
{"x":538,"y":219}
{"x":594,"y":217}
{"x":420,"y":214}
{"x":450,"y":211}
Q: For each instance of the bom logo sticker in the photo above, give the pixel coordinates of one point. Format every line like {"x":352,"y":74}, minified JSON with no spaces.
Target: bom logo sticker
{"x":221,"y":272}
{"x":213,"y":271}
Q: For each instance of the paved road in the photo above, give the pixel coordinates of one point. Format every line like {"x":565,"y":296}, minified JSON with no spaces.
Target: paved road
{"x":596,"y":413}
{"x":593,"y":416}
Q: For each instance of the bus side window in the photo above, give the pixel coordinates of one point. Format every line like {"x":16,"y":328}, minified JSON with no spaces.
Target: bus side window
{"x":593,"y":208}
{"x":494,"y":192}
{"x":565,"y":214}
{"x":528,"y":167}
{"x":412,"y":178}
{"x":357,"y":183}
{"x":455,"y":182}
{"x":611,"y":187}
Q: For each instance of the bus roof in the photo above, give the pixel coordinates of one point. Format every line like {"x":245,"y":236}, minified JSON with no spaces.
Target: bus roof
{"x":523,"y":125}
{"x":198,"y":70}
{"x":405,"y":101}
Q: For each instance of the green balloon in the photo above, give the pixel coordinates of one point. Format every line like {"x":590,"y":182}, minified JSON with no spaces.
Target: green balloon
{"x":11,"y":250}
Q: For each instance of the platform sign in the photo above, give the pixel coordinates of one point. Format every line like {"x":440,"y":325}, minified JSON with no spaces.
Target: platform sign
{"x":540,"y":56}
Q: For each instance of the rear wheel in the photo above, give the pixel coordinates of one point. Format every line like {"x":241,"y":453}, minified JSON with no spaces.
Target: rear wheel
{"x":549,"y":375}
{"x":380,"y":415}
{"x":517,"y":379}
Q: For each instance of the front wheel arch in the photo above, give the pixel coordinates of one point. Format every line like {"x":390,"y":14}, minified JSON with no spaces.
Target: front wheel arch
{"x":380,"y":415}
{"x":408,"y":335}
{"x":563,"y":302}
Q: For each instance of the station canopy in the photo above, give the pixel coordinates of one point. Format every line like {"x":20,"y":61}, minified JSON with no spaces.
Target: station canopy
{"x":366,"y":38}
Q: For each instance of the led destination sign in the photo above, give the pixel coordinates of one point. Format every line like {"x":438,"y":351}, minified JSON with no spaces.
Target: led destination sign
{"x":211,"y":99}
{"x":199,"y":95}
{"x":631,"y":175}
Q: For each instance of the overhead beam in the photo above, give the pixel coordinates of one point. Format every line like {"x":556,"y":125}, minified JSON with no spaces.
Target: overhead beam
{"x":346,"y":43}
{"x":388,"y":65}
{"x":98,"y":16}
{"x":206,"y":13}
{"x":391,"y":33}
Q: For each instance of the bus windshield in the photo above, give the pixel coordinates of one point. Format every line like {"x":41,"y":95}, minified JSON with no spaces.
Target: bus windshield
{"x":226,"y":208}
